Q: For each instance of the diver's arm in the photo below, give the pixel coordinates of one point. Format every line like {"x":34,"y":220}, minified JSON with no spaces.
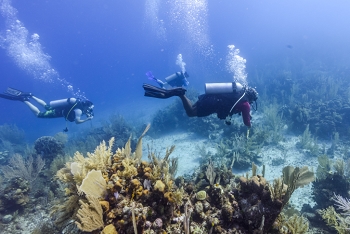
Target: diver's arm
{"x":190,"y":109}
{"x":78,"y":114}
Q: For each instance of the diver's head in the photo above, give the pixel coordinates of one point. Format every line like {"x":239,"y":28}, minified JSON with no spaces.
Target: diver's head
{"x":87,"y":108}
{"x":251,"y":94}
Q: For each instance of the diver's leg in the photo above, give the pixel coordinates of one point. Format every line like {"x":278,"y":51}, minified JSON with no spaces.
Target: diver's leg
{"x":41,"y":102}
{"x":33,"y":108}
{"x":191,"y":111}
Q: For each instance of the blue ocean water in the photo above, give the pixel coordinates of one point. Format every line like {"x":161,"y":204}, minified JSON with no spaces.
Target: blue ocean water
{"x":102,"y":49}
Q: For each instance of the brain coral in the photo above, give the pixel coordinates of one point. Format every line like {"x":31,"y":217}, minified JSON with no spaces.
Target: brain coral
{"x":48,"y":147}
{"x":201,"y":195}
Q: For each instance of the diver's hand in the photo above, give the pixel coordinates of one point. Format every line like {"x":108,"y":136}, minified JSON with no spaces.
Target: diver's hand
{"x":248,"y":131}
{"x":89,"y":118}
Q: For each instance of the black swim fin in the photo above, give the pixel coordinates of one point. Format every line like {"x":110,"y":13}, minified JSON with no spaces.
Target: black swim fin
{"x":153,"y":91}
{"x":15,"y":92}
{"x":15,"y":95}
{"x":12,"y":97}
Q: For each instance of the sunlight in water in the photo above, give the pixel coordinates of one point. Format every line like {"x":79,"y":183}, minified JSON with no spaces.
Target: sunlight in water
{"x":27,"y":52}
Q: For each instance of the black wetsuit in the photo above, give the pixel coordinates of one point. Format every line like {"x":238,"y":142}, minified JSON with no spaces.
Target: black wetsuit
{"x":221,"y":104}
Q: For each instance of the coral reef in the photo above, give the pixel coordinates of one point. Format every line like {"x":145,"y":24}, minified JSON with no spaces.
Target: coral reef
{"x":144,"y":197}
{"x":15,"y":195}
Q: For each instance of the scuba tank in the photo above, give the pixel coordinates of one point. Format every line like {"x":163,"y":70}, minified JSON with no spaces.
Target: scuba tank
{"x":177,"y":79}
{"x":173,"y":77}
{"x":61,"y":103}
{"x":216,"y":88}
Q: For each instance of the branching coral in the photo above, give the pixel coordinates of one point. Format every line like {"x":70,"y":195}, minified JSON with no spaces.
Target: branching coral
{"x":90,"y":215}
{"x":296,"y":225}
{"x":335,"y":220}
{"x":101,"y":158}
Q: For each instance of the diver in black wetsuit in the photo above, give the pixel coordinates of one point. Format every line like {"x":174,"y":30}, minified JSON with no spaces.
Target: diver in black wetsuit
{"x":224,"y":99}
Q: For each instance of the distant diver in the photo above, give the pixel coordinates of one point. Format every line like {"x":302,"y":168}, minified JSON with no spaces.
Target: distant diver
{"x":70,"y":108}
{"x":224,"y":99}
{"x":178,"y":79}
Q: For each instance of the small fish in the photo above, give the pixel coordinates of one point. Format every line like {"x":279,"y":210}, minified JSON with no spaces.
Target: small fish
{"x":289,"y":46}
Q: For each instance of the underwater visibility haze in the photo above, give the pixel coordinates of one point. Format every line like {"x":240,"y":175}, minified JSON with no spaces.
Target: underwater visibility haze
{"x":294,"y":53}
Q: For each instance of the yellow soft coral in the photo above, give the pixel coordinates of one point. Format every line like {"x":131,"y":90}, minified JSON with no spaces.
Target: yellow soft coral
{"x":90,"y":215}
{"x":101,"y":158}
{"x":129,"y":170}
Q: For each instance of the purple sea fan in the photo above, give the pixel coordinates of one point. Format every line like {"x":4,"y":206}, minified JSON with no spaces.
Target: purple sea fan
{"x":116,"y":195}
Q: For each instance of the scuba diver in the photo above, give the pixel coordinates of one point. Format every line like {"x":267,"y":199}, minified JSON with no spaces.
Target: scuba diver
{"x":224,"y":99}
{"x":178,"y":79}
{"x":70,"y":108}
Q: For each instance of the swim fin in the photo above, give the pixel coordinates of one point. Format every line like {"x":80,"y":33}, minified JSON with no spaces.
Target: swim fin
{"x":15,"y":92}
{"x":12,"y":97}
{"x":153,"y":91}
{"x":16,"y":95}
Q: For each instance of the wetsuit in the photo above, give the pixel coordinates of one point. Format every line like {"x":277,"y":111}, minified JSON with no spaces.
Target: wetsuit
{"x":70,"y":112}
{"x":221,"y":104}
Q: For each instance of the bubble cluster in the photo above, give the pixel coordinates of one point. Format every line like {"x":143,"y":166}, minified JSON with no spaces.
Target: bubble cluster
{"x":152,"y":16}
{"x":187,"y":17}
{"x":181,"y":63}
{"x":26,"y":51}
{"x":236,"y":65}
